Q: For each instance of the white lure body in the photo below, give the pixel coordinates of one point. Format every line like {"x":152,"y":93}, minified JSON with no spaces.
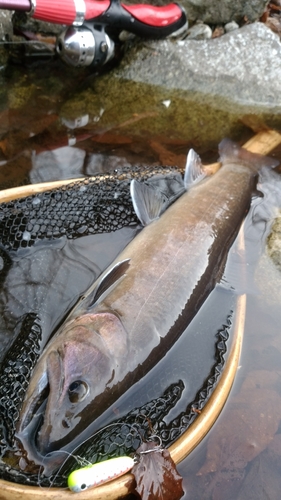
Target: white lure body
{"x":97,"y":474}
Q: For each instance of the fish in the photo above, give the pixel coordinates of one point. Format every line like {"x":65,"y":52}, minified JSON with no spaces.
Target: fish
{"x":134,"y":313}
{"x":42,"y":260}
{"x":44,"y":270}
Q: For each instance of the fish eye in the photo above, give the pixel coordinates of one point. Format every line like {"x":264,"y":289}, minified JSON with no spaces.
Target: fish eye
{"x":77,"y":391}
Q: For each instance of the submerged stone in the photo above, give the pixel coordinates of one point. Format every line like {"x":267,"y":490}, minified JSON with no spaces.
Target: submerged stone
{"x":274,"y":242}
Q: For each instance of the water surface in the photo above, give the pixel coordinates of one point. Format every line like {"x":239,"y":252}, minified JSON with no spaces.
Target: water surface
{"x":54,"y":127}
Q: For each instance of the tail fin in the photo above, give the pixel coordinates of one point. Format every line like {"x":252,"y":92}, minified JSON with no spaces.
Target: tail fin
{"x":230,"y":152}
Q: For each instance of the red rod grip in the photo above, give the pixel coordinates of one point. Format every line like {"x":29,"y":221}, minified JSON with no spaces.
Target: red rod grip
{"x":69,"y":11}
{"x":55,"y":11}
{"x":95,"y":8}
{"x":155,"y":16}
{"x":74,"y":12}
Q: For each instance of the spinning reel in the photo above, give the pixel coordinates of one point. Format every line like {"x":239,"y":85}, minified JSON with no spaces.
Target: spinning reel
{"x":94,"y":26}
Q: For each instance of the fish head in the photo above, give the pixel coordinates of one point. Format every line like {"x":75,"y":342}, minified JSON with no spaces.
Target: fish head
{"x":72,"y":378}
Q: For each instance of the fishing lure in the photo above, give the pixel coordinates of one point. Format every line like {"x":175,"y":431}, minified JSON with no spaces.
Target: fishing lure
{"x":100,"y":473}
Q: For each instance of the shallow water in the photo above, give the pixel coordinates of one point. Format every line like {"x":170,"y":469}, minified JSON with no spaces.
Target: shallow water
{"x":240,"y":458}
{"x":41,"y":139}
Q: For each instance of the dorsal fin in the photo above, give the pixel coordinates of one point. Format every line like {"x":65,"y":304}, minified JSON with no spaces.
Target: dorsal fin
{"x":147,"y":201}
{"x":193,"y":169}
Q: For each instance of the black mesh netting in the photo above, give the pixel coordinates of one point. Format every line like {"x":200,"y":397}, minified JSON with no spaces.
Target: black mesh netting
{"x":15,"y":373}
{"x":96,"y":205}
{"x":124,"y":435}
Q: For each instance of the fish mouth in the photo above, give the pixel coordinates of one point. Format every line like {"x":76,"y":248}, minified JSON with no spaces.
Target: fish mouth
{"x":51,"y":395}
{"x":29,"y":432}
{"x":35,"y":411}
{"x":56,"y":424}
{"x":27,"y":437}
{"x":30,"y":423}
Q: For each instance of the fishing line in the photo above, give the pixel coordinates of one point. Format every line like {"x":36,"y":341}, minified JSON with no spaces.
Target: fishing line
{"x":80,"y":461}
{"x":28,"y":42}
{"x":45,"y":49}
{"x":83,"y":461}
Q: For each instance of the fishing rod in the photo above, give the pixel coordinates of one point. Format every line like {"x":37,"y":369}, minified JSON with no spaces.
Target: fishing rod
{"x":94,"y":26}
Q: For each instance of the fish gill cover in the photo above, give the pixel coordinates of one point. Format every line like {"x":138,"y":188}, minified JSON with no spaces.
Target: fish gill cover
{"x":96,"y":205}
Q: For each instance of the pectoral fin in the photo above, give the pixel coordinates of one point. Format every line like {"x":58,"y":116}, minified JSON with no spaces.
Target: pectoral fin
{"x":101,"y":288}
{"x":170,"y":186}
{"x":108,"y":282}
{"x":148,"y":202}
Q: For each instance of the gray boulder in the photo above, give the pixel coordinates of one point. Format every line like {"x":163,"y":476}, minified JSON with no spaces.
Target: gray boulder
{"x":240,"y":66}
{"x":224,"y":11}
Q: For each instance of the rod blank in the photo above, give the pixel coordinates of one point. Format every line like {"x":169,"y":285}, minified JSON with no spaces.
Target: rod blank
{"x":23,"y":5}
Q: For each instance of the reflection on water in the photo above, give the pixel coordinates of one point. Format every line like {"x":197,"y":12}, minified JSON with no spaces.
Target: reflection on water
{"x":49,"y":278}
{"x":241,"y":457}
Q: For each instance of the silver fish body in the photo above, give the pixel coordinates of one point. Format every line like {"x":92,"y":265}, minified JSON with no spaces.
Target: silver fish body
{"x":141,"y":304}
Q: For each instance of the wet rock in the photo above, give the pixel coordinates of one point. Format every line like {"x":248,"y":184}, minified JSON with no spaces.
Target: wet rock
{"x":239,"y":66}
{"x":187,"y":89}
{"x":224,"y":11}
{"x":199,"y":32}
{"x":170,"y":115}
{"x":231,"y":26}
{"x":144,"y":110}
{"x":274,"y":242}
{"x":6,"y":31}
